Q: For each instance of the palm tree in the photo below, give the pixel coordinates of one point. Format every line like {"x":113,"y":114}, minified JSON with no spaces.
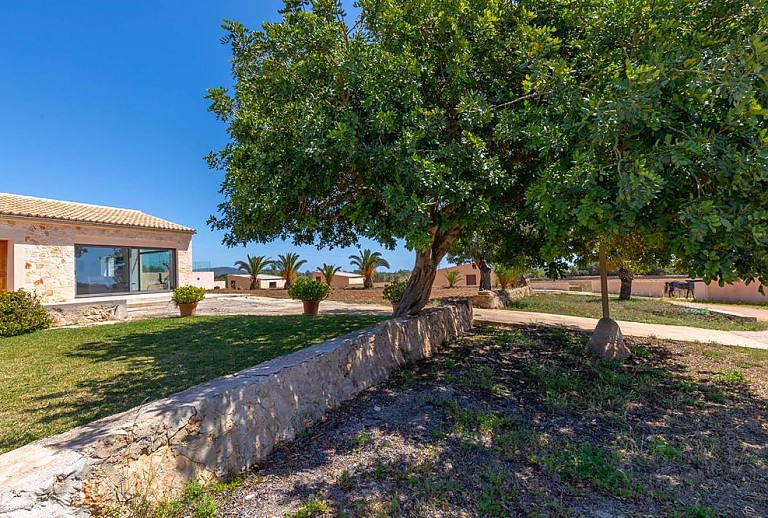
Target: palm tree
{"x":453,"y":276}
{"x":288,"y":267}
{"x":328,"y":271}
{"x":366,"y":264}
{"x":253,"y":267}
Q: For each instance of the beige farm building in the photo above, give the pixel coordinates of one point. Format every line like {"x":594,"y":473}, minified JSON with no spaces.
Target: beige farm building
{"x":242,"y":281}
{"x":342,"y":279}
{"x":470,"y":276}
{"x":64,"y":251}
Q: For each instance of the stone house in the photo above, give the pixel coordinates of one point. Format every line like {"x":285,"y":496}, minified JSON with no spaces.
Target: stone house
{"x":65,"y":251}
{"x":470,"y":276}
{"x":241,"y":281}
{"x":342,"y":279}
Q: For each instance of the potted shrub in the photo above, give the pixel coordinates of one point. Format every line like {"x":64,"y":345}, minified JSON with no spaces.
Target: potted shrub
{"x":310,"y":292}
{"x":186,"y":298}
{"x":394,"y":293}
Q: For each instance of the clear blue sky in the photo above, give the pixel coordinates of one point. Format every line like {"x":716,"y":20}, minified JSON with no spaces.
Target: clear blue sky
{"x":102,"y":102}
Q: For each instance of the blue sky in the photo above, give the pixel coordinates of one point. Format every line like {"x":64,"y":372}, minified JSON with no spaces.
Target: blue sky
{"x":102,"y":102}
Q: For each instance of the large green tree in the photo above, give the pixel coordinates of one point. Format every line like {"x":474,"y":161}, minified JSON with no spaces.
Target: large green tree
{"x":655,"y":126}
{"x":400,"y":124}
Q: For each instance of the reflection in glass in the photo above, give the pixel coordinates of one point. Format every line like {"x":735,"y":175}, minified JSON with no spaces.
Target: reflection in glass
{"x":103,"y":269}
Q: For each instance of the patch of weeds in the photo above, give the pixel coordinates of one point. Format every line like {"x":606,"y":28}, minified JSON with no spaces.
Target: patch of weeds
{"x":195,"y":501}
{"x":229,"y":484}
{"x":715,"y":396}
{"x":483,"y":377}
{"x":344,"y":481}
{"x":407,"y":377}
{"x":731,"y":377}
{"x":362,"y":439}
{"x":470,"y":423}
{"x":310,"y":509}
{"x":518,"y":441}
{"x":449,"y":363}
{"x":697,"y":511}
{"x":713,"y":354}
{"x":585,"y":462}
{"x":659,"y":447}
{"x":495,"y":495}
{"x":561,"y":388}
{"x":640,"y":352}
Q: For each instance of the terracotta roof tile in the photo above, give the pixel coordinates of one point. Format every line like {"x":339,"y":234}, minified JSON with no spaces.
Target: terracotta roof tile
{"x":42,"y":208}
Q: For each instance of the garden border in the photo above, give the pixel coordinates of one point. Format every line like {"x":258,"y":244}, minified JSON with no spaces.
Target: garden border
{"x":216,"y":429}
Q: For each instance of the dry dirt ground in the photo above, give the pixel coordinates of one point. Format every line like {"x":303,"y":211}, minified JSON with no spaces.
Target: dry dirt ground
{"x":358,"y":295}
{"x":519,"y":422}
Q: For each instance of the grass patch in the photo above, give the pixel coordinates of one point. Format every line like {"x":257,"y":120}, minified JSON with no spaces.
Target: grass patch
{"x":586,"y":462}
{"x":652,"y":311}
{"x":57,"y":379}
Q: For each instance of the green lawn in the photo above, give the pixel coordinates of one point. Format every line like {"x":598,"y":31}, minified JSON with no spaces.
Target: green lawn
{"x":652,"y":311}
{"x":51,"y":381}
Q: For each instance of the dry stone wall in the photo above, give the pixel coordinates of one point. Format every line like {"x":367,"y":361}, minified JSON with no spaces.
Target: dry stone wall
{"x":216,"y":429}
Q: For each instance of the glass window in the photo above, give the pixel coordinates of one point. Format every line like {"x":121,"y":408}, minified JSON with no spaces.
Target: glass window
{"x":108,"y":270}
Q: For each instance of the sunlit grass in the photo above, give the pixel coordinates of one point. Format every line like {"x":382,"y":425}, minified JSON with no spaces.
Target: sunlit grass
{"x":51,"y":381}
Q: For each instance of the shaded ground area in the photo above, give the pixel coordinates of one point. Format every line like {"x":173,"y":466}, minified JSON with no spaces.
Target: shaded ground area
{"x":61,"y":378}
{"x":519,"y":422}
{"x":652,"y":311}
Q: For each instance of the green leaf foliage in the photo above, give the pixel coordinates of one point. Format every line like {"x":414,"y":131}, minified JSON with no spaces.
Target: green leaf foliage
{"x":304,"y":288}
{"x":188,"y":295}
{"x":655,"y":125}
{"x":392,"y":126}
{"x":21,"y":312}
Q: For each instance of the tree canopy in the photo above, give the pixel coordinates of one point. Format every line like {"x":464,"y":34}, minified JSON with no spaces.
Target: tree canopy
{"x":394,"y":126}
{"x":656,"y":129}
{"x":433,"y":120}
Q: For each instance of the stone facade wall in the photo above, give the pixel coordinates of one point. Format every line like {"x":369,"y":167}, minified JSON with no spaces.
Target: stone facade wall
{"x":43,"y":253}
{"x":216,"y":429}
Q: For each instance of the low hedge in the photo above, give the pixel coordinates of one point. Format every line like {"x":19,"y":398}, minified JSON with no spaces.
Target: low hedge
{"x":20,"y":313}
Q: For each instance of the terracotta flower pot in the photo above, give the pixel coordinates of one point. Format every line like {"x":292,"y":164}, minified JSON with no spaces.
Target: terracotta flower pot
{"x":187,"y":310}
{"x":311,"y":307}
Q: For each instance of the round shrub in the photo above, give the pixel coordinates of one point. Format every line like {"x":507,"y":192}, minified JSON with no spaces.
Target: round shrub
{"x":309,"y":289}
{"x":394,"y":292}
{"x":188,"y":295}
{"x":21,"y":312}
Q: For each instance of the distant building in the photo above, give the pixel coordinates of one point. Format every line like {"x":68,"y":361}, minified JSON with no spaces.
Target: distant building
{"x":242,"y":281}
{"x":342,"y":279}
{"x":470,"y":276}
{"x":64,"y":251}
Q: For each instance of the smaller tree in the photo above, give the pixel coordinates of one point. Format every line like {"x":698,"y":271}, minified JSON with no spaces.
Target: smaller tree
{"x":366,"y":263}
{"x":253,"y":267}
{"x":288,"y":267}
{"x":329,"y":271}
{"x":453,"y":276}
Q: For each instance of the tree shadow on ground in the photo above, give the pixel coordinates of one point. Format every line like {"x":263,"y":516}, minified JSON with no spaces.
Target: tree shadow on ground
{"x":520,"y":421}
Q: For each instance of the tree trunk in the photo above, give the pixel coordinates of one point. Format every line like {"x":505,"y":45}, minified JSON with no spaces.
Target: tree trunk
{"x":368,"y":282}
{"x":607,"y":342}
{"x":626,"y":276}
{"x":485,"y":273}
{"x":419,"y":285}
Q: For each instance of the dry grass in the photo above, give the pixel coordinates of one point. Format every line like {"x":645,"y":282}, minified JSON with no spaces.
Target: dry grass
{"x":519,"y":421}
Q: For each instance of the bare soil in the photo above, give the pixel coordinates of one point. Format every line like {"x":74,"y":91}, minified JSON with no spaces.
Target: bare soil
{"x":519,"y":422}
{"x":358,"y":295}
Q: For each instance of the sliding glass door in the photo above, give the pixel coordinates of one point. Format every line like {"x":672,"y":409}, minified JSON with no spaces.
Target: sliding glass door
{"x":112,"y":270}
